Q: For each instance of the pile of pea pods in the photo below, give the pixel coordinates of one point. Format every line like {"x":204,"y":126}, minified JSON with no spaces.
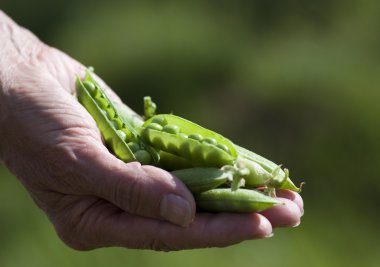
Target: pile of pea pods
{"x":222,"y":176}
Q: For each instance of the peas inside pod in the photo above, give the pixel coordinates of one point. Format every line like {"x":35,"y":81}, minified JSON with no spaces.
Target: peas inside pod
{"x":119,"y":136}
{"x":223,"y":176}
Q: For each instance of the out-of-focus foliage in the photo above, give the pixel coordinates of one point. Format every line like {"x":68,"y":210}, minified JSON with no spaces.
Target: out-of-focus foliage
{"x":295,"y":81}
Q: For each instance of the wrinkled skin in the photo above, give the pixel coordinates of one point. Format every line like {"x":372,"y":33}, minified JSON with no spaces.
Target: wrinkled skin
{"x":54,"y":148}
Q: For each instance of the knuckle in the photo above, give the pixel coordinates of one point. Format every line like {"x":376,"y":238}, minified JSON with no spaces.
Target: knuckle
{"x":141,"y":191}
{"x":81,"y":224}
{"x":128,"y":193}
{"x":133,"y":198}
{"x":158,"y":245}
{"x":159,"y":242}
{"x":68,"y":232}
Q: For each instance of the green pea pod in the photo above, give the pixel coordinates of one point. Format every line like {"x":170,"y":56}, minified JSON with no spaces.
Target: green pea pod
{"x":269,"y":166}
{"x":188,"y":140}
{"x":116,"y":131}
{"x":241,"y":200}
{"x":257,"y":175}
{"x":200,"y":179}
{"x":127,"y":114}
{"x":172,"y":162}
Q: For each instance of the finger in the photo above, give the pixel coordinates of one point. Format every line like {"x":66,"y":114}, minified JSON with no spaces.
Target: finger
{"x":143,"y":190}
{"x":216,"y":230}
{"x":293,"y":196}
{"x":287,"y":215}
{"x":113,"y":228}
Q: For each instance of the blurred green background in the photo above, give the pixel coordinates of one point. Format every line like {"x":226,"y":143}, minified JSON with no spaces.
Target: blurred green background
{"x":295,"y":81}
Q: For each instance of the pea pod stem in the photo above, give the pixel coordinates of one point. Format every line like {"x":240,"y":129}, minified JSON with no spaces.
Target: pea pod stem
{"x":282,"y":176}
{"x":149,"y":107}
{"x":235,"y":176}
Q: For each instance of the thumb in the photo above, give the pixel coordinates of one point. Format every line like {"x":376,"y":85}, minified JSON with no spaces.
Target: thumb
{"x":142,"y":190}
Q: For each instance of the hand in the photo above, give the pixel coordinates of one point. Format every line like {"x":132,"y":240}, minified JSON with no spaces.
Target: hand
{"x":93,"y":199}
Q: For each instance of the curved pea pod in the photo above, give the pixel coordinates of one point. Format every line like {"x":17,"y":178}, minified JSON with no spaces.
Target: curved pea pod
{"x":200,"y":179}
{"x":171,"y":162}
{"x":241,"y":200}
{"x":269,"y":166}
{"x":186,"y":139}
{"x":115,"y":131}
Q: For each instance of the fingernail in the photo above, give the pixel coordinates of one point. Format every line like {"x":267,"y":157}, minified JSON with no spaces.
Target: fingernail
{"x":297,"y":224}
{"x":269,"y":236}
{"x":176,"y":209}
